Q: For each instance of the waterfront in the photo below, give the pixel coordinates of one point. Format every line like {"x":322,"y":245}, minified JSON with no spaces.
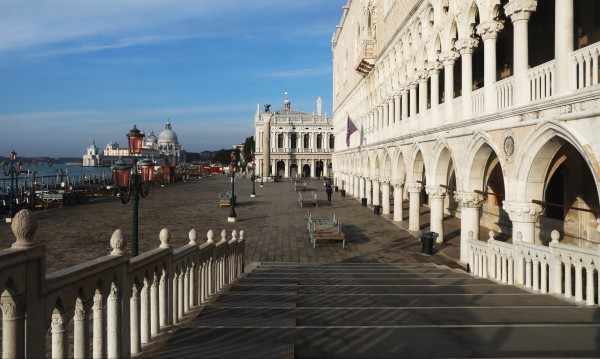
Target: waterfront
{"x":273,"y":222}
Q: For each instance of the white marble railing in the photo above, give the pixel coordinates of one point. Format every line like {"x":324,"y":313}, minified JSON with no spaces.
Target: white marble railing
{"x":541,"y":81}
{"x":111,"y":306}
{"x":504,"y":93}
{"x":584,"y":66}
{"x":457,"y":109}
{"x":557,"y":268}
{"x":478,"y":98}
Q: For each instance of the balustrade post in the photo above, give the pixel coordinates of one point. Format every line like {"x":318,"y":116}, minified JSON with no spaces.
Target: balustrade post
{"x":99,"y":310}
{"x":81,"y":326}
{"x":186,"y":290}
{"x":175,"y":297}
{"x":578,"y":282}
{"x":60,"y":335}
{"x":113,"y":323}
{"x":145,"y":312}
{"x":568,"y":279}
{"x":163,"y":294}
{"x":154,"y":306}
{"x":134,"y":317}
{"x":13,"y":327}
{"x":544,"y":286}
{"x":589,"y":282}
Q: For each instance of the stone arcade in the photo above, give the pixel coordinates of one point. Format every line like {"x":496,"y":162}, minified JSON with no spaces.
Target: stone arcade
{"x":458,"y":111}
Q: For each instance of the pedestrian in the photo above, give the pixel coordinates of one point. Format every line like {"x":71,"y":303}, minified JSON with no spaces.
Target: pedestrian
{"x":328,"y":190}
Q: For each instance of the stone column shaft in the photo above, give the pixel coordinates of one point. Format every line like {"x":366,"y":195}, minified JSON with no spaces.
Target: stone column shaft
{"x":414,"y":197}
{"x":436,"y":203}
{"x":398,"y":199}
{"x":404,"y":111}
{"x":385,"y":197}
{"x":369,"y":191}
{"x":470,"y":203}
{"x":563,"y":44}
{"x":519,"y":12}
{"x":376,"y":201}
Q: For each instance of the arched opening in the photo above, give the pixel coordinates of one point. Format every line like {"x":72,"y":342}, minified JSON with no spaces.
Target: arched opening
{"x":306,"y":171}
{"x":294,"y":170}
{"x":331,"y":141}
{"x":319,"y":169}
{"x":319,"y":141}
{"x":294,"y":140}
{"x":306,"y":141}
{"x":571,"y":199}
{"x":280,"y":140}
{"x":541,"y":34}
{"x":280,"y":169}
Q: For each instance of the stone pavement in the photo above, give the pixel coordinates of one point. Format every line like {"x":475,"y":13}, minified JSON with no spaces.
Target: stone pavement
{"x":274,"y":224}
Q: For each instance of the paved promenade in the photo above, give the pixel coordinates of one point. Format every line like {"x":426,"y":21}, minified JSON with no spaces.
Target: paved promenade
{"x":273,"y":222}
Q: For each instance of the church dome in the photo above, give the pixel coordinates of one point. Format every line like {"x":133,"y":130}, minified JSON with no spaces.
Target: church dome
{"x":168,"y":135}
{"x":151,"y":137}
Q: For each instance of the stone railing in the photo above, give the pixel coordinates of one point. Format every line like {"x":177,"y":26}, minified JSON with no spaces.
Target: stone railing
{"x":541,"y":81}
{"x":478,"y":99}
{"x":111,"y":306}
{"x":557,"y":268}
{"x":584,"y":66}
{"x":504,"y":93}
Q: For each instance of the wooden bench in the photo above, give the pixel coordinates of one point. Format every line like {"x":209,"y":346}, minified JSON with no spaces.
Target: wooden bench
{"x":225,"y":199}
{"x":307,"y":198}
{"x":321,"y":229}
{"x":300,"y":186}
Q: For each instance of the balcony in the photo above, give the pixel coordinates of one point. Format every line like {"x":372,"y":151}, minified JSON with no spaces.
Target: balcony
{"x":366,"y":58}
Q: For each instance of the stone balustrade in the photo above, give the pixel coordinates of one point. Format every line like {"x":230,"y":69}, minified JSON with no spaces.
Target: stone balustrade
{"x":557,"y":268}
{"x":111,"y":306}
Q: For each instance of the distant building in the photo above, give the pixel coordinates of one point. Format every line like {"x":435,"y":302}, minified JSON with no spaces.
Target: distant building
{"x":165,"y":149}
{"x":300,"y":143}
{"x":92,"y":156}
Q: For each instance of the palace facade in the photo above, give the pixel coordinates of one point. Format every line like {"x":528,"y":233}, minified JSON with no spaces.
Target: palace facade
{"x":486,"y":110}
{"x":296,"y":144}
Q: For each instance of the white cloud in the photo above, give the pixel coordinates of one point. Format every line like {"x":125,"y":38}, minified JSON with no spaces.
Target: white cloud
{"x":115,"y":23}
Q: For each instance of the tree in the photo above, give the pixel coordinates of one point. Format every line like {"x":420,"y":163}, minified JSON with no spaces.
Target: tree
{"x":249,"y":148}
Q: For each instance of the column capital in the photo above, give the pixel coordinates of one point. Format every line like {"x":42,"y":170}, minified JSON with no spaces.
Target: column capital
{"x":520,"y":9}
{"x":466,"y":46}
{"x":469,"y":199}
{"x":523,"y":212}
{"x":435,"y":192}
{"x":435,"y":67}
{"x":448,"y":58}
{"x":12,"y":308}
{"x":399,"y":183}
{"x":489,"y":29}
{"x":414,"y":187}
{"x":422,"y":75}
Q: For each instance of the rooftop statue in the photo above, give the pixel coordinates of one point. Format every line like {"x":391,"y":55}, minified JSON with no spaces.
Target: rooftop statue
{"x":267,"y":107}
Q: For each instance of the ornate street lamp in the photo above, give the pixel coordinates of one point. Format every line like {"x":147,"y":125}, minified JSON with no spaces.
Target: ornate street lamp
{"x":133,"y":181}
{"x":253,"y":177}
{"x":9,"y":169}
{"x":232,"y":216}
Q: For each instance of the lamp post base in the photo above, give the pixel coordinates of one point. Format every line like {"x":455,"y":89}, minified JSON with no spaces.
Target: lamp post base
{"x":231,"y":219}
{"x":8,"y":220}
{"x":252,"y":195}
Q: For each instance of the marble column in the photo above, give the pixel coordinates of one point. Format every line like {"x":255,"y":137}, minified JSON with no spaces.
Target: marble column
{"x":423,"y":95}
{"x":154,"y":309}
{"x":98,"y":324}
{"x":385,"y":197}
{"x":266,"y":119}
{"x":414,"y":198}
{"x":134,"y":317}
{"x":524,"y":216}
{"x":386,"y":114}
{"x":489,"y":33}
{"x":404,"y":110}
{"x":413,"y":99}
{"x":145,"y":312}
{"x":470,"y":204}
{"x":466,"y":47}
{"x":397,"y":113}
{"x":435,"y":94}
{"x":436,"y":217}
{"x":357,"y":187}
{"x":398,"y":200}
{"x":563,"y":44}
{"x":376,"y":186}
{"x":519,"y":12}
{"x":361,"y":187}
{"x":448,"y":59}
{"x":369,"y":190}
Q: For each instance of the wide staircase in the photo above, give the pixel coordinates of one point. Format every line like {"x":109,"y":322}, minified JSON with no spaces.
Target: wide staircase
{"x":410,"y":310}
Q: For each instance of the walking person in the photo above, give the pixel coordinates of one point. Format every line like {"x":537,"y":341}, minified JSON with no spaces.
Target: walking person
{"x":328,"y":190}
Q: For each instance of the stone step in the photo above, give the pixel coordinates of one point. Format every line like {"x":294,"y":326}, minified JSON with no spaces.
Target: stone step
{"x":227,"y":351}
{"x":431,"y":341}
{"x":385,"y":317}
{"x":386,"y":300}
{"x":318,"y":281}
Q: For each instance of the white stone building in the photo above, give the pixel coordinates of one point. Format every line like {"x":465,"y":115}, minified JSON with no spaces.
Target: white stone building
{"x":298,"y":144}
{"x":483,"y":109}
{"x":92,"y":156}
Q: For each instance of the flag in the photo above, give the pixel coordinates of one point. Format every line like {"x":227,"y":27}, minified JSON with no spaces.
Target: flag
{"x":351,"y":128}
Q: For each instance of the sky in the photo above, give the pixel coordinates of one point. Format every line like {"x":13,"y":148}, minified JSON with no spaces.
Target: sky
{"x":73,"y":71}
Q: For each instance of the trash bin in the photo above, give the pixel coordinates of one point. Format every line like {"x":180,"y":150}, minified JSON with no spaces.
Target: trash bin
{"x":335,"y":188}
{"x":376,"y":209}
{"x":427,"y":239}
{"x":343,"y":193}
{"x":363,"y":201}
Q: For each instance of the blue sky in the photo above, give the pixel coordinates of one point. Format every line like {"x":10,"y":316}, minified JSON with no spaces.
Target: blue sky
{"x":74,"y":70}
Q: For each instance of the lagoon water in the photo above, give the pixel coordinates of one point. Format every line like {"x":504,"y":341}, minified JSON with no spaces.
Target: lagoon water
{"x":51,"y":174}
